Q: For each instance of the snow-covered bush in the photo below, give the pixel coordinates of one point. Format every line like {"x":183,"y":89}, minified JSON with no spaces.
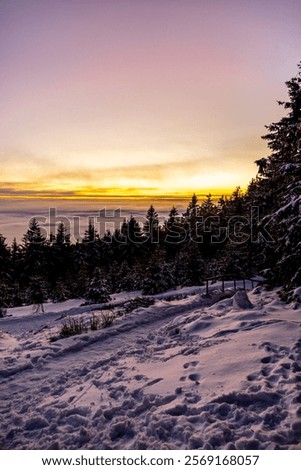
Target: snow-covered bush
{"x":60,"y":293}
{"x":158,"y":279}
{"x":98,"y":290}
{"x":291,"y":296}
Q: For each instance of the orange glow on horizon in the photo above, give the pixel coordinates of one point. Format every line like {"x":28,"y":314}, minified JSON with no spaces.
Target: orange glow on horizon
{"x":114,"y":193}
{"x":77,"y":186}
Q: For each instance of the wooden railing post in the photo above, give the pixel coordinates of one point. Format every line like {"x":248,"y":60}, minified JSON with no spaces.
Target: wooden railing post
{"x":230,"y":278}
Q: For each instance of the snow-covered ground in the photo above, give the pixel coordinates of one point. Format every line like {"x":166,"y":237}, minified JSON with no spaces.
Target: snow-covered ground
{"x":185,"y":373}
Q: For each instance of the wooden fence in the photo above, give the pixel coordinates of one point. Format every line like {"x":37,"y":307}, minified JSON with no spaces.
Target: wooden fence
{"x":231,"y":279}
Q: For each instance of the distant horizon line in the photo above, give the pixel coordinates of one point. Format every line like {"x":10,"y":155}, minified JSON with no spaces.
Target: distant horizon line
{"x":81,"y":197}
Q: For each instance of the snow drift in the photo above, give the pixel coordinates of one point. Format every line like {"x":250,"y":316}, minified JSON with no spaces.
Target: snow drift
{"x":184,"y":373}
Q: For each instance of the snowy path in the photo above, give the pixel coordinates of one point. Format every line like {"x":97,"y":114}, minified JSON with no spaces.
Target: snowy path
{"x":177,"y":375}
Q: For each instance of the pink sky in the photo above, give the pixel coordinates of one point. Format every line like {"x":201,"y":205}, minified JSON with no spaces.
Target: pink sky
{"x":140,"y":96}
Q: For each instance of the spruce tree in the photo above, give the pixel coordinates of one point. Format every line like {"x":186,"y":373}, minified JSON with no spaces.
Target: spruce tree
{"x":132,"y":243}
{"x":151,"y":227}
{"x":90,"y":247}
{"x":4,"y":277}
{"x":34,"y":251}
{"x":279,"y":185}
{"x":62,"y":236}
{"x":192,"y":220}
{"x":97,"y":290}
{"x":174,"y":234}
{"x":158,"y":278}
{"x":208,"y":227}
{"x":4,"y":257}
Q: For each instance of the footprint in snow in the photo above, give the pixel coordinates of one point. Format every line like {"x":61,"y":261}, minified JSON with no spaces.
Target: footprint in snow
{"x":267,"y":346}
{"x":252,"y":377}
{"x":153,"y":382}
{"x":265,"y":371}
{"x":267,"y":360}
{"x":190,"y":364}
{"x":195,"y":378}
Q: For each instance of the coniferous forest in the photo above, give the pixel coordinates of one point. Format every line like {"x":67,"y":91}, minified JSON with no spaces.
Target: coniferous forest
{"x":253,"y":232}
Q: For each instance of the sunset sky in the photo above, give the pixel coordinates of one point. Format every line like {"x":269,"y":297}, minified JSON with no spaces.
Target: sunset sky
{"x":140,"y":96}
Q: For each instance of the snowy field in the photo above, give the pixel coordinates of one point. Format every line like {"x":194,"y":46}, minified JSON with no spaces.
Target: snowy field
{"x":184,"y":373}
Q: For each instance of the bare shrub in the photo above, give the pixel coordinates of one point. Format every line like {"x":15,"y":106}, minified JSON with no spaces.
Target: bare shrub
{"x":73,"y":326}
{"x":107,"y":319}
{"x":95,"y":322}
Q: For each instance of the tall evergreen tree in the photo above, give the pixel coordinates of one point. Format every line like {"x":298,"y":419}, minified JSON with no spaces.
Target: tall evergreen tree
{"x":90,"y":233}
{"x":34,"y":249}
{"x":90,"y":247}
{"x":151,"y":226}
{"x":4,"y":276}
{"x":208,"y":227}
{"x":34,"y":235}
{"x":59,"y":264}
{"x":132,"y":241}
{"x":279,"y":184}
{"x":192,"y":220}
{"x":62,"y":236}
{"x":174,"y":234}
{"x":4,"y":257}
{"x":281,"y":170}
